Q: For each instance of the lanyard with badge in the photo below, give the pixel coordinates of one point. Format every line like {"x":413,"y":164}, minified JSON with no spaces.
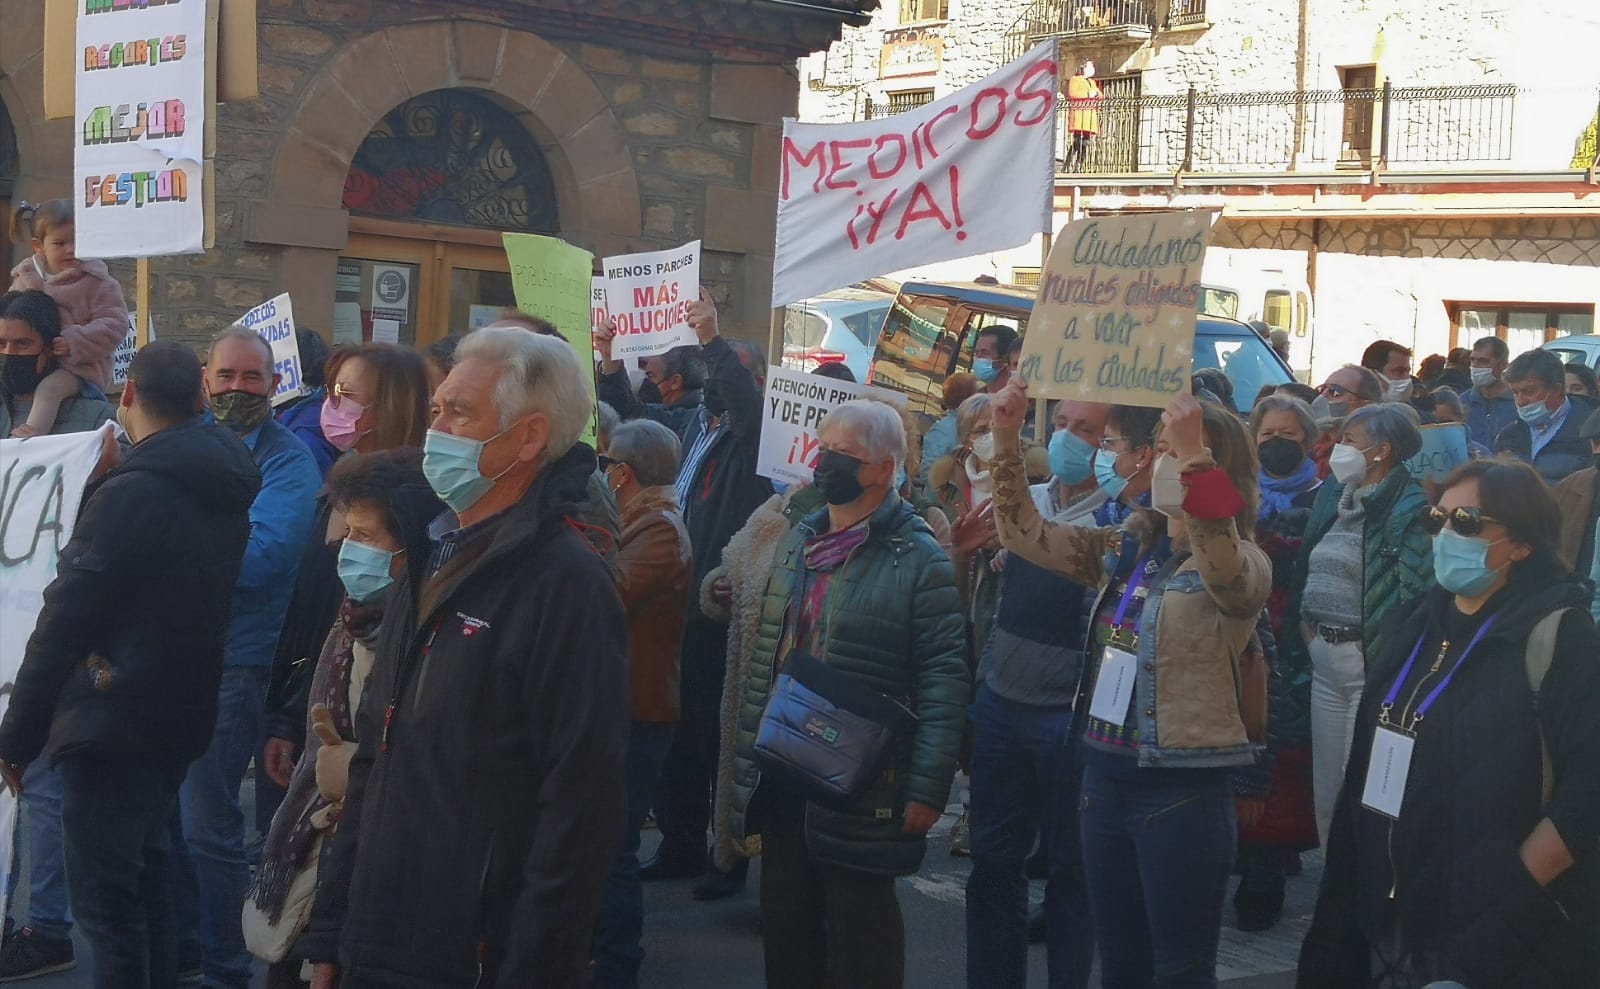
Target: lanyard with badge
{"x":1119,"y":664}
{"x":1392,"y":743}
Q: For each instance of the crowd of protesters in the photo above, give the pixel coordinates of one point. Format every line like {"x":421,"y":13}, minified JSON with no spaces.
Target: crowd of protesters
{"x":472,"y":644}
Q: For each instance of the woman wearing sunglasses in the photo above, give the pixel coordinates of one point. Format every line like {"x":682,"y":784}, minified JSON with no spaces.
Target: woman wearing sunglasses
{"x":1163,"y":707}
{"x":1364,"y":554}
{"x":1464,"y":846}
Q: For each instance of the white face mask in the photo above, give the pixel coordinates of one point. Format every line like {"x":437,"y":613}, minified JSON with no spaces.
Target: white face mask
{"x":983,"y":448}
{"x":1399,"y":391}
{"x":1348,"y":463}
{"x":1166,"y":486}
{"x":1482,"y":376}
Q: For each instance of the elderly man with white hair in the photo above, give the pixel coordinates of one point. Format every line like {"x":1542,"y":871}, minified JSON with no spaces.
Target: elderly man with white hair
{"x":863,"y":587}
{"x":487,"y":789}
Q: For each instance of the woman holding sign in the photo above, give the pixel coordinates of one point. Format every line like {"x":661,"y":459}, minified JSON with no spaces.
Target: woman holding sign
{"x":1166,"y":719}
{"x":1464,"y":844}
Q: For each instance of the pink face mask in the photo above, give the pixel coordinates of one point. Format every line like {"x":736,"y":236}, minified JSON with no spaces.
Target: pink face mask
{"x":339,"y":422}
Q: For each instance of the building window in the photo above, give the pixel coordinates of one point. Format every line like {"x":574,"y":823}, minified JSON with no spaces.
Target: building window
{"x":1187,"y":13}
{"x":912,"y":11}
{"x":899,"y":102}
{"x":1360,"y":85}
{"x":1025,"y":277}
{"x":453,"y":157}
{"x":1523,"y":326}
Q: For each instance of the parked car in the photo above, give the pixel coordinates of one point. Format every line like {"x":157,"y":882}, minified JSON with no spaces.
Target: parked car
{"x":1581,"y":348}
{"x":931,"y":330}
{"x":837,"y":328}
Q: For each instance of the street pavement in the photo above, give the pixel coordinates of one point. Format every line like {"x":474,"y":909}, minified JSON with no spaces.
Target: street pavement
{"x":703,"y":945}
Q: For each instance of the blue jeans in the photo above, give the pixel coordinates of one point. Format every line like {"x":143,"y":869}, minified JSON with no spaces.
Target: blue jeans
{"x":116,"y":814}
{"x":1158,"y":845}
{"x":48,"y":912}
{"x":619,"y":935}
{"x":1025,"y":781}
{"x":212,"y":889}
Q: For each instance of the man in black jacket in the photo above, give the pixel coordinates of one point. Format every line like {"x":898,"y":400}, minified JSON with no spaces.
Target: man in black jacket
{"x":120,"y":676}
{"x":486,"y":792}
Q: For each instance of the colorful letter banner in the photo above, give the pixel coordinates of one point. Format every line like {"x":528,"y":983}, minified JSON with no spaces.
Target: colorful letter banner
{"x":1115,"y":315}
{"x":649,"y":296}
{"x":141,"y":110}
{"x":970,"y":173}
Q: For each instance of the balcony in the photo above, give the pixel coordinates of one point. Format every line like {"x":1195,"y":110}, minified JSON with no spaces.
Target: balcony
{"x":1087,"y":21}
{"x":1409,"y":128}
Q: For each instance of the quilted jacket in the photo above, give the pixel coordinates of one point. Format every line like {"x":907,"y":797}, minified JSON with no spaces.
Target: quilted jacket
{"x":1399,"y":569}
{"x":894,"y":624}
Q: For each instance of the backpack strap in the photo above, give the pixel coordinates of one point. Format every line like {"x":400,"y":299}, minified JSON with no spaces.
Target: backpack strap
{"x":1540,"y":654}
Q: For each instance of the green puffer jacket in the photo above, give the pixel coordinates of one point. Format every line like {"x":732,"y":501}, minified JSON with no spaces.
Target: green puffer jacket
{"x":1398,"y":570}
{"x":895,"y":624}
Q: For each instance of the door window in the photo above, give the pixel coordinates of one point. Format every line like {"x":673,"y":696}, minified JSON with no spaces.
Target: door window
{"x":477,"y":298}
{"x":375,"y":301}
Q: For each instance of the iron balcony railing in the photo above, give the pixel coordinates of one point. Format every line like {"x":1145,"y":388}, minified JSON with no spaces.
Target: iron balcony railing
{"x":1099,"y":20}
{"x":1264,"y":132}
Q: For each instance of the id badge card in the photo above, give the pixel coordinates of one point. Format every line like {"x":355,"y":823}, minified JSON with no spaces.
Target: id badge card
{"x":1113,"y":689}
{"x":1387,"y":771}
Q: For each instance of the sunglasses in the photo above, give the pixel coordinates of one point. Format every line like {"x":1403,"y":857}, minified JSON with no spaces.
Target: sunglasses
{"x":1466,"y":521}
{"x":1334,"y":391}
{"x":606,"y":463}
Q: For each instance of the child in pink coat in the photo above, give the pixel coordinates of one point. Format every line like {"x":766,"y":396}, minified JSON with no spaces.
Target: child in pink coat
{"x":94,"y":315}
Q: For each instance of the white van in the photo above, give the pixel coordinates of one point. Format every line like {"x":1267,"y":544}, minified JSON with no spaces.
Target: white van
{"x":1235,"y":288}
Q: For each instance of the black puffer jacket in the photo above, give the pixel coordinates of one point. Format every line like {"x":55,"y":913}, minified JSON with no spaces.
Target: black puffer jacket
{"x":487,"y":788}
{"x":1461,"y":899}
{"x":127,"y":654}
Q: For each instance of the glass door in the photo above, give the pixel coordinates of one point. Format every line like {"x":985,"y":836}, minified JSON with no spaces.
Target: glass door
{"x":413,"y":291}
{"x":476,"y":286}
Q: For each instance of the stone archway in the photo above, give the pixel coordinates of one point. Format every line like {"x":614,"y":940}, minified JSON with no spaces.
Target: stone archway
{"x":596,"y":185}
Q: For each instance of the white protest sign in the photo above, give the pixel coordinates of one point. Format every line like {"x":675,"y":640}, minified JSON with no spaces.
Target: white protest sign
{"x":971,"y":173}
{"x":598,"y":313}
{"x":122,"y":357}
{"x":274,"y":320}
{"x":139,"y":145}
{"x":649,"y":296}
{"x":791,"y":410}
{"x":41,"y":487}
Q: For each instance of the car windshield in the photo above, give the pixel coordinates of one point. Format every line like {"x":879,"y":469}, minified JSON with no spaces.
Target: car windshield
{"x":803,"y":328}
{"x":1245,"y":359}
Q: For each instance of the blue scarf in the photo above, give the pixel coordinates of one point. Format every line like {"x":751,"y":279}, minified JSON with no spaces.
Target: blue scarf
{"x":1278,"y":493}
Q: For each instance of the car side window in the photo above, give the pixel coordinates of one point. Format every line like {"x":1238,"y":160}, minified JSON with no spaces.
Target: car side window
{"x":908,"y":358}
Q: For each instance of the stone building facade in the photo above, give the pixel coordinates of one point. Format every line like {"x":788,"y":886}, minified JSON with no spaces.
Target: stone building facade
{"x":405,"y":136}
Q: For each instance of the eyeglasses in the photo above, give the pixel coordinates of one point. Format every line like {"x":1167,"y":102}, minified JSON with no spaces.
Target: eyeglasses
{"x":1110,"y":442}
{"x":1334,"y":391}
{"x":1466,"y":521}
{"x":606,"y":463}
{"x":338,"y":393}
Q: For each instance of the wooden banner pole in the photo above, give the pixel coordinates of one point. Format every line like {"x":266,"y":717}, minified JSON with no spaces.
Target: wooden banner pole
{"x":141,"y":301}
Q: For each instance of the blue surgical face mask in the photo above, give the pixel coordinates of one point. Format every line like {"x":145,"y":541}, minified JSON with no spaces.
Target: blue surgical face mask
{"x":364,"y":570}
{"x":1461,"y":563}
{"x":1071,"y":459}
{"x":1105,"y":474}
{"x":450,"y":463}
{"x":985,"y":369}
{"x":1535,"y":414}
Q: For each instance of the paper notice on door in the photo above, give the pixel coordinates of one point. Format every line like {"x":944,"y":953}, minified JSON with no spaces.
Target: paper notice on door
{"x":385,"y":331}
{"x":346,"y":322}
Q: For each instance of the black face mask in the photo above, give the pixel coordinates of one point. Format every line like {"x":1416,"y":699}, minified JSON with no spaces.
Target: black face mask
{"x":836,"y":476}
{"x":19,"y":373}
{"x":1280,"y":456}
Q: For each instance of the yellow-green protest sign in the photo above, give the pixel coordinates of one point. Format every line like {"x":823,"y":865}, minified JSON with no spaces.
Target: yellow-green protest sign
{"x":1115,"y":315}
{"x":551,"y":279}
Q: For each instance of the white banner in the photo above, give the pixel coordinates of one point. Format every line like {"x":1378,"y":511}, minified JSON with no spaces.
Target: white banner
{"x":791,"y":410}
{"x":274,"y":320}
{"x":139,"y":148}
{"x":649,"y":296}
{"x":122,"y":357}
{"x":971,"y":173}
{"x":41,"y":487}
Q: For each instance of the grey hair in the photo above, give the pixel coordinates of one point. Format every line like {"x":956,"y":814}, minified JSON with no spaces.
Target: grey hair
{"x":1295,"y":407}
{"x":1394,"y":423}
{"x":649,"y":448}
{"x":608,"y":422}
{"x":875,"y":425}
{"x":967,"y":414}
{"x":243,"y":333}
{"x":537,"y":374}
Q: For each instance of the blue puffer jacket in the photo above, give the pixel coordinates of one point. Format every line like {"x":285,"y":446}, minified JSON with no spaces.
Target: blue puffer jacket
{"x":304,"y":420}
{"x":895,"y":624}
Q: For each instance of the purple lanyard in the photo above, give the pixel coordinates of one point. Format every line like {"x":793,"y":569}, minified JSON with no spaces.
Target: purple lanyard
{"x":1134,"y":580}
{"x":1405,"y":672}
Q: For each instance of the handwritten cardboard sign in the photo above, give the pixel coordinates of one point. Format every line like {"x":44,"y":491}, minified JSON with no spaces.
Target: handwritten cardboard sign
{"x":1115,"y":315}
{"x":552,"y":280}
{"x":274,"y":320}
{"x":649,"y":296}
{"x":794,"y":405}
{"x":971,"y":173}
{"x":122,"y":357}
{"x":1444,"y":448}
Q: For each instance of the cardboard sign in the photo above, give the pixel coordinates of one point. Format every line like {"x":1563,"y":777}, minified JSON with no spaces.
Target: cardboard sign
{"x":971,"y":173}
{"x":1444,"y":448}
{"x":41,"y":487}
{"x":791,"y":410}
{"x":274,"y":320}
{"x":553,"y":280}
{"x":122,"y":357}
{"x":1115,"y":315}
{"x":139,"y":140}
{"x":649,"y":296}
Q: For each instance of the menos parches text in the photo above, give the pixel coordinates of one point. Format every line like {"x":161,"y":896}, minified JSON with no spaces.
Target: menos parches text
{"x":898,"y":177}
{"x":656,"y":308}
